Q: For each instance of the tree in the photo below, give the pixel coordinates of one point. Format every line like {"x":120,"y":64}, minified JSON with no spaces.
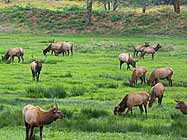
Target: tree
{"x":176,"y":5}
{"x":88,"y":16}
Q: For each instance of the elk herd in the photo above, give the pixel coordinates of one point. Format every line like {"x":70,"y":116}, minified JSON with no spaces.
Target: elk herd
{"x":34,"y":116}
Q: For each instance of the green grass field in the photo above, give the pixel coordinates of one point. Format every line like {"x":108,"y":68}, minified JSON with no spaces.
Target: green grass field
{"x":89,"y":84}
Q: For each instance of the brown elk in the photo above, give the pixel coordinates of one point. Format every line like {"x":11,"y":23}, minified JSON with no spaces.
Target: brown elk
{"x":128,"y":59}
{"x":182,"y":106}
{"x":36,"y":67}
{"x":59,"y":47}
{"x":149,"y":50}
{"x":157,"y":91}
{"x":139,"y":98}
{"x":19,"y":52}
{"x":160,"y":73}
{"x":140,"y":48}
{"x":138,"y":73}
{"x":34,"y":116}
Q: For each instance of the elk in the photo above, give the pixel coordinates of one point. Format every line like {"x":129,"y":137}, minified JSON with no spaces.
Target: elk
{"x":59,"y":47}
{"x":157,"y":91}
{"x":149,"y":50}
{"x":138,"y":73}
{"x":182,"y":106}
{"x":139,"y":98}
{"x":140,"y":48}
{"x":127,"y":58}
{"x":34,"y":116}
{"x":36,"y":67}
{"x":19,"y":52}
{"x":160,"y":73}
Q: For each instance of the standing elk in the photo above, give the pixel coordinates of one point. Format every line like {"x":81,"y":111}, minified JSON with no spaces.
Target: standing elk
{"x":157,"y":91}
{"x":19,"y":52}
{"x":138,"y":73}
{"x":140,"y":48}
{"x":34,"y":116}
{"x":160,"y":73}
{"x":36,"y":67}
{"x":131,"y":100}
{"x":149,"y":50}
{"x":127,"y":58}
{"x":182,"y":106}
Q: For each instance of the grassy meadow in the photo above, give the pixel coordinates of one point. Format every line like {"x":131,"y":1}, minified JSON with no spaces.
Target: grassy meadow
{"x":88,"y":86}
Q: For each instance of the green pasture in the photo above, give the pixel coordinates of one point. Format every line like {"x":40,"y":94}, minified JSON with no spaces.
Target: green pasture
{"x":88,"y":86}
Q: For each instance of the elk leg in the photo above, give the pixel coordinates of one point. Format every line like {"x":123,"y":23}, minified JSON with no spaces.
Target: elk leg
{"x":121,"y":62}
{"x":68,"y":52}
{"x":52,"y":52}
{"x":141,"y":108}
{"x":137,"y":53}
{"x":144,"y":79}
{"x":38,"y":75}
{"x":161,"y":99}
{"x":33,"y":75}
{"x":41,"y":129}
{"x":27,"y":131}
{"x":145,"y":107}
{"x":153,"y":56}
{"x":19,"y":59}
{"x":32,"y":129}
{"x":128,"y":66}
{"x":141,"y":78}
{"x":22,"y":58}
{"x":129,"y":109}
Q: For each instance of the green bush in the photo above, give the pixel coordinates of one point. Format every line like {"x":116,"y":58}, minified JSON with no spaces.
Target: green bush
{"x":56,"y":91}
{"x":93,"y":113}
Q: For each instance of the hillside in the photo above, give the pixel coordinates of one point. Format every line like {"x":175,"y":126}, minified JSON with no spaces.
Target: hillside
{"x":70,"y":19}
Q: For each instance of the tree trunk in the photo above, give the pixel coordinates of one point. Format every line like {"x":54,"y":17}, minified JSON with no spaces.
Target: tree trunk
{"x":108,"y":5}
{"x":176,"y":5}
{"x":105,"y":5}
{"x":88,"y":15}
{"x":143,"y":6}
{"x":115,"y":5}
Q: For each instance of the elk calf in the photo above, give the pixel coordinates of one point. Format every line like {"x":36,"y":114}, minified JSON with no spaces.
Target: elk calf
{"x":34,"y":116}
{"x":138,"y":73}
{"x":133,"y":99}
{"x":157,"y":91}
{"x":36,"y":67}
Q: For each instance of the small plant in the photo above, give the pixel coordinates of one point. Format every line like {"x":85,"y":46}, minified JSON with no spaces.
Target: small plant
{"x":57,"y":91}
{"x":77,"y":91}
{"x":35,"y":92}
{"x":92,"y":113}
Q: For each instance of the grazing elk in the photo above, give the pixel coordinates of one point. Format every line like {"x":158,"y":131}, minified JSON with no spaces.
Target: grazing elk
{"x":157,"y":91}
{"x":127,"y":58}
{"x":138,"y":73}
{"x":182,"y":106}
{"x":149,"y":50}
{"x":34,"y":116}
{"x":19,"y":52}
{"x":160,"y":73}
{"x":36,"y":67}
{"x":140,"y":48}
{"x":59,"y":47}
{"x":133,"y":99}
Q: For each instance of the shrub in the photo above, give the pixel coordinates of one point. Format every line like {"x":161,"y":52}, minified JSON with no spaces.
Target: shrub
{"x":57,"y":91}
{"x":77,"y":91}
{"x":35,"y":92}
{"x":92,"y":113}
